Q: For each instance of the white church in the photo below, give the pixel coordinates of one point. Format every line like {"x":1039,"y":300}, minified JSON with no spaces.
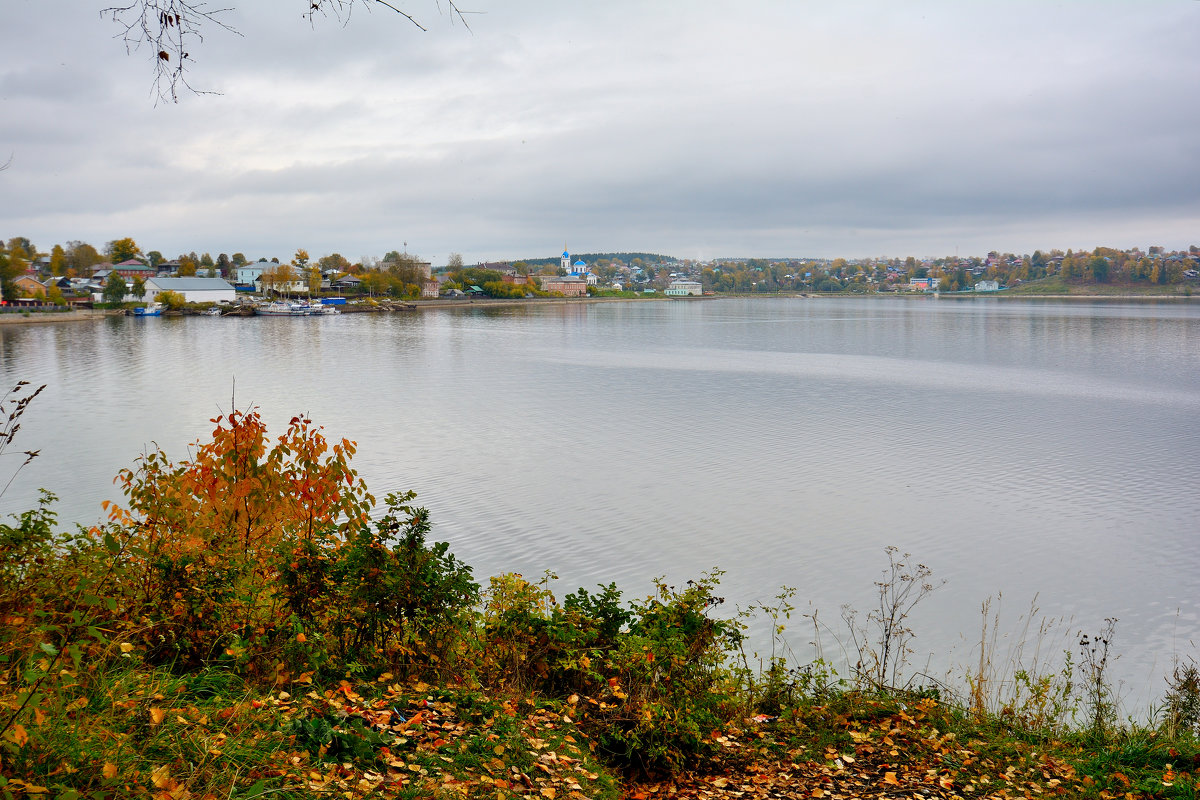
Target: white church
{"x":578,"y":270}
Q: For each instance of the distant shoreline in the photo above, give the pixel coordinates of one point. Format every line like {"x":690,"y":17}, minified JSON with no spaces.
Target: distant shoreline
{"x":968,"y":296}
{"x":43,"y":317}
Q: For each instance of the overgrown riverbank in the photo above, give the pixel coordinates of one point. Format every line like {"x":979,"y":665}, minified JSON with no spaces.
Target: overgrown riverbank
{"x":249,"y":624}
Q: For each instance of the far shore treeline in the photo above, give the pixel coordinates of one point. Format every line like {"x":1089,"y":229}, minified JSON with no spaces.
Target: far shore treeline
{"x":64,"y":272}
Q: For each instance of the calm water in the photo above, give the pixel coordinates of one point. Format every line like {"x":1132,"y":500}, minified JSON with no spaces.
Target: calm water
{"x":1030,"y":448}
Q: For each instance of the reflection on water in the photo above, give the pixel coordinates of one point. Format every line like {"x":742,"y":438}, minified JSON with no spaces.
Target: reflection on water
{"x":1042,"y":448}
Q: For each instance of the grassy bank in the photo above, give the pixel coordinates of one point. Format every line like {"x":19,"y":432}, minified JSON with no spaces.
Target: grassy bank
{"x":252,"y":622}
{"x":1055,"y":285}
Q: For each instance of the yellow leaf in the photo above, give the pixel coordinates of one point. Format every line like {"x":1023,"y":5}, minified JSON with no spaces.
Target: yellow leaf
{"x":110,"y":770}
{"x":161,"y":777}
{"x":549,"y":792}
{"x":28,"y":788}
{"x":157,"y":715}
{"x":126,"y":647}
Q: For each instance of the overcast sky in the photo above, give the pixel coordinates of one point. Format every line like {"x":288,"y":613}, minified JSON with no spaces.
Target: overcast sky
{"x":691,"y":128}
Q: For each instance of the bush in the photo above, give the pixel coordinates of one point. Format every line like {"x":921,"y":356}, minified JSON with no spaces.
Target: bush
{"x":500,"y":289}
{"x":266,"y":555}
{"x":669,"y":690}
{"x":649,"y":682}
{"x":171,"y":299}
{"x":380,"y":598}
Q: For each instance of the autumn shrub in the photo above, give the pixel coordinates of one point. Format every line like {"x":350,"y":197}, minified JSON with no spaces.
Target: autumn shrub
{"x":171,"y":299}
{"x":650,"y":681}
{"x":521,"y":637}
{"x":669,"y":688}
{"x":380,"y":596}
{"x":532,"y":643}
{"x":263,"y":556}
{"x":515,"y":610}
{"x":201,"y":534}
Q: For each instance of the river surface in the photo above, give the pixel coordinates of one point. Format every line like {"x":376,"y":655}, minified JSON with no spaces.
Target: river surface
{"x":1035,"y":449}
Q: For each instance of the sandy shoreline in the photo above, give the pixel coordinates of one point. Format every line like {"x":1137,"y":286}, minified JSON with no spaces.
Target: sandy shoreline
{"x":42,"y":317}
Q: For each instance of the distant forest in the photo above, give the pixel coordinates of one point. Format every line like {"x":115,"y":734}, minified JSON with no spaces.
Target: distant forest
{"x":592,"y":258}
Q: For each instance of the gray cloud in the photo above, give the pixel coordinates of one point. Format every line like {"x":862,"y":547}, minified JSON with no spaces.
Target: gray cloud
{"x":772,"y":128}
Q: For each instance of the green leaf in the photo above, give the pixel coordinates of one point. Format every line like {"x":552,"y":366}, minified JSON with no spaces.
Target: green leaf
{"x":111,"y":543}
{"x":48,"y":648}
{"x":110,"y":603}
{"x":256,"y":789}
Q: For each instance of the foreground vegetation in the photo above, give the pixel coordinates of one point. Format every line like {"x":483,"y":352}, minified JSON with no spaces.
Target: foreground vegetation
{"x":251,"y":622}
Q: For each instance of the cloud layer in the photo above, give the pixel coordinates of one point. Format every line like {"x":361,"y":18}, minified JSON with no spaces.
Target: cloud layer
{"x":699,"y":129}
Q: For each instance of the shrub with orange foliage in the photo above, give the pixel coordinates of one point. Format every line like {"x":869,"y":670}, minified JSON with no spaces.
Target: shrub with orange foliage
{"x":217,"y":546}
{"x":234,"y":496}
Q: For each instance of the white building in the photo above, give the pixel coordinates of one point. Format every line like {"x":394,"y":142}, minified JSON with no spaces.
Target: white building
{"x":987,"y":286}
{"x":683,"y":288}
{"x":194,"y":290}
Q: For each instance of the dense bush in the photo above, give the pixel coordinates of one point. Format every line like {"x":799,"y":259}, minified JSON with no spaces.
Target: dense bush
{"x":649,"y":681}
{"x":380,"y":597}
{"x":257,"y":556}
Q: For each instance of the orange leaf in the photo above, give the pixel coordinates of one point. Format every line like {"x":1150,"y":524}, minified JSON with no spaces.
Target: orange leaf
{"x":157,"y":715}
{"x":110,"y":770}
{"x":890,"y":779}
{"x":19,"y":735}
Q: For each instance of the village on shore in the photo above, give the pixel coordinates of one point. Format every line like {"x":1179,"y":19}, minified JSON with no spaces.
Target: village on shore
{"x":79,"y":276}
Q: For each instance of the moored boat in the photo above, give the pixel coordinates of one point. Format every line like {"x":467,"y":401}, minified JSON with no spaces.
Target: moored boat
{"x":279,"y":309}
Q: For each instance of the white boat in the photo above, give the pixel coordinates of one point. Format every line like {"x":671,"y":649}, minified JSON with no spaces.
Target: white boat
{"x":295,"y":309}
{"x":313,"y":309}
{"x":279,"y":309}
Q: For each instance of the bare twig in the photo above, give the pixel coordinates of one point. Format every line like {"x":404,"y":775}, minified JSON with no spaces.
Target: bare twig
{"x":170,"y":29}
